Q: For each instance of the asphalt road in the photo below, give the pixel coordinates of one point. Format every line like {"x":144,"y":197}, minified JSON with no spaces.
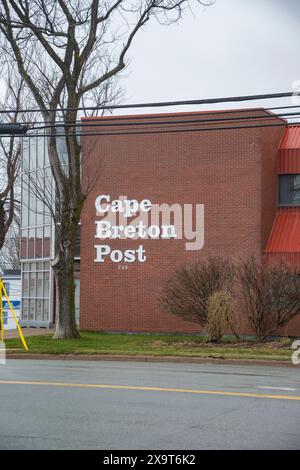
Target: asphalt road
{"x":107,"y":405}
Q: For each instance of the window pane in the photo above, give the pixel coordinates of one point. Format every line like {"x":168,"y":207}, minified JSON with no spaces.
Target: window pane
{"x":46,"y":242}
{"x":32,"y":285}
{"x":38,"y":310}
{"x":46,"y":161}
{"x":31,"y":243}
{"x":40,"y":152}
{"x":32,"y":200}
{"x":46,"y":310}
{"x":39,"y":243}
{"x":25,"y":153}
{"x":39,"y":201}
{"x":46,"y":266}
{"x":39,"y":284}
{"x":24,"y":220}
{"x":48,"y":184}
{"x":25,"y":286}
{"x":32,"y":266}
{"x":289,"y":189}
{"x":31,"y":309}
{"x":39,"y":266}
{"x":24,"y":315}
{"x":46,"y":284}
{"x":24,"y":244}
{"x":32,"y":144}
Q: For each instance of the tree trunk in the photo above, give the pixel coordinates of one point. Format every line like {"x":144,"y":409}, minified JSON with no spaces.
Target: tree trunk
{"x":63,"y":267}
{"x":2,"y":225}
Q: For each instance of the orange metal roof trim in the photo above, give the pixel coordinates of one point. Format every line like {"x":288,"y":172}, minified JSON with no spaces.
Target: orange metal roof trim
{"x":291,"y":138}
{"x":289,"y":157}
{"x":285,"y":234}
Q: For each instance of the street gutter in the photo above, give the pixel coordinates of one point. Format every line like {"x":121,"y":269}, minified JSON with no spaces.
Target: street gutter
{"x":142,"y":358}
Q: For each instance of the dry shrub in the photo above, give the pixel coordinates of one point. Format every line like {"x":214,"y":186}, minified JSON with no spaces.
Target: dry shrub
{"x":187,"y":293}
{"x":221,"y":315}
{"x":272,"y":295}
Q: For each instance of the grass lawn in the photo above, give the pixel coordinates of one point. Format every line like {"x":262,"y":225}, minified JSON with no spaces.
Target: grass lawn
{"x":154,"y":345}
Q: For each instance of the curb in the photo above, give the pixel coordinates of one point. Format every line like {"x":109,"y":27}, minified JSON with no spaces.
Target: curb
{"x":131,"y":358}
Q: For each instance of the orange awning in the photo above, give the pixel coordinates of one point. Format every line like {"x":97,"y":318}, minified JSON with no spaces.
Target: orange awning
{"x":289,"y":153}
{"x":285,"y":234}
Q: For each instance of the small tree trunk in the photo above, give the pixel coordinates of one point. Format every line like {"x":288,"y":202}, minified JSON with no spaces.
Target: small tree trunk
{"x":2,"y":225}
{"x":63,"y":268}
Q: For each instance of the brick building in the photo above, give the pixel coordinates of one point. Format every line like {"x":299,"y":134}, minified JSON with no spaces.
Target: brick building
{"x":242,"y":172}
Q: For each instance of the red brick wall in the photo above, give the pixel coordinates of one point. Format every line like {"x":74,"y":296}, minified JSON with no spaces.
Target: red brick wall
{"x":231,"y":172}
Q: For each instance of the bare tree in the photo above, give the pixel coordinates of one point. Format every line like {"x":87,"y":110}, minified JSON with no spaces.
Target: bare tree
{"x":10,"y":150}
{"x":65,"y":50}
{"x":10,"y":252}
{"x":272,"y":295}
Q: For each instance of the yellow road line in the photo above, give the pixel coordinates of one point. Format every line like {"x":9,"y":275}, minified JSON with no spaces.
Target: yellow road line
{"x":154,"y":389}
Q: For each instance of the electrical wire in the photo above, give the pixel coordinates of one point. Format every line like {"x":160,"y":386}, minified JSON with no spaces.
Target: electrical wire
{"x":138,"y":117}
{"x":90,"y":123}
{"x":166,"y":131}
{"x":164,"y":103}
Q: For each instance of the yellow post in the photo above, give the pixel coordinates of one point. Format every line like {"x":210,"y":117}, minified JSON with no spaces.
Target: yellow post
{"x":1,"y":314}
{"x":14,"y":315}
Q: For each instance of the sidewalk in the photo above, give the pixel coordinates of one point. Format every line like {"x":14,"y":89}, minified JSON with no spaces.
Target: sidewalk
{"x":28,"y":332}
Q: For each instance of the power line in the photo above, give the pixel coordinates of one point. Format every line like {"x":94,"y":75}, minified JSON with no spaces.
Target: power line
{"x":90,"y":123}
{"x":143,"y":117}
{"x":163,"y":103}
{"x":165,"y":131}
{"x":148,"y":116}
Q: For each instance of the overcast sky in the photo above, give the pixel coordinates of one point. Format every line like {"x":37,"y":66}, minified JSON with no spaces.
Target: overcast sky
{"x":234,"y":47}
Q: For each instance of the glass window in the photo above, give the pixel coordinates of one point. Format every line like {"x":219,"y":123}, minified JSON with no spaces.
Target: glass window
{"x":38,"y":310}
{"x":32,"y":266}
{"x":24,"y":221}
{"x":31,"y":309}
{"x":32,"y":285}
{"x":46,"y":284}
{"x":31,"y":243}
{"x":39,"y":243}
{"x":32,"y":145}
{"x":24,"y":244}
{"x":46,"y":154}
{"x":46,"y":266}
{"x":48,"y":183}
{"x":46,"y":242}
{"x":46,"y":311}
{"x":24,"y":315}
{"x":39,"y":284}
{"x":25,"y":153}
{"x":32,"y":200}
{"x":289,"y":190}
{"x":25,"y":285}
{"x":40,"y":152}
{"x":39,"y":201}
{"x":62,"y":147}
